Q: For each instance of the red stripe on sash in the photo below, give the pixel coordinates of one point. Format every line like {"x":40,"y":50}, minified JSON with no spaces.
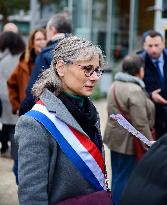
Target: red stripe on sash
{"x":91,"y":148}
{"x":40,"y":102}
{"x":89,"y":145}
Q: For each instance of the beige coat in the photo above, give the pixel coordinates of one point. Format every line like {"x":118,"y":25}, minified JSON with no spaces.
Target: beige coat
{"x":139,"y":108}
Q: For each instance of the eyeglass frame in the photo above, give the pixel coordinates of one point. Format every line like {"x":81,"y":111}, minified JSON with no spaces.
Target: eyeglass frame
{"x":98,"y":71}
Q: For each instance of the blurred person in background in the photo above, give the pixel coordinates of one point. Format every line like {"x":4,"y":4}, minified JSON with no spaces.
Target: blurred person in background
{"x":10,"y":27}
{"x":18,"y":79}
{"x":155,"y":77}
{"x":127,"y":96}
{"x":11,"y":46}
{"x":58,"y":27}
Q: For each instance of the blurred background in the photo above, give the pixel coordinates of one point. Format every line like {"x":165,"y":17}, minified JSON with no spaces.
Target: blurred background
{"x":115,"y":25}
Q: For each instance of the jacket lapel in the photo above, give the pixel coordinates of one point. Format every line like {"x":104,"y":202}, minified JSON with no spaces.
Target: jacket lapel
{"x":153,"y":70}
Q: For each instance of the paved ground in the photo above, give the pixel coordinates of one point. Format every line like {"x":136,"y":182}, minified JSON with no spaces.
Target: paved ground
{"x":102,"y":109}
{"x":8,"y":189}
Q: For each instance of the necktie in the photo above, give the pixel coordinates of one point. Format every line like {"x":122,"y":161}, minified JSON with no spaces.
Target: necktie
{"x":159,"y":71}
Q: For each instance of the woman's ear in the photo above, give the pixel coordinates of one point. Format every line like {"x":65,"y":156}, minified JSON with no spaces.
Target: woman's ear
{"x":60,"y":68}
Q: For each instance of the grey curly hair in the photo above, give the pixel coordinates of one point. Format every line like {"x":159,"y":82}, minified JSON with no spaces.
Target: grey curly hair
{"x":69,"y":49}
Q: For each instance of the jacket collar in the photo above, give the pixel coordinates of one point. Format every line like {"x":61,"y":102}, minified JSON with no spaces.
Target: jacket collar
{"x":125,"y":77}
{"x":58,"y":36}
{"x":55,"y":105}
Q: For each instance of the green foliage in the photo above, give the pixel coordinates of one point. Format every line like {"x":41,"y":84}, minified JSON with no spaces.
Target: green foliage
{"x":97,"y":94}
{"x":9,"y":7}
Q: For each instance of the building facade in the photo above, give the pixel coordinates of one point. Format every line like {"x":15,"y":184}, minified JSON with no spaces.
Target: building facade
{"x":116,"y":25}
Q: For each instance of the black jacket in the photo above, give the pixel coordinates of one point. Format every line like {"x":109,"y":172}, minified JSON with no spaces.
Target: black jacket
{"x":148,"y":182}
{"x":151,"y":77}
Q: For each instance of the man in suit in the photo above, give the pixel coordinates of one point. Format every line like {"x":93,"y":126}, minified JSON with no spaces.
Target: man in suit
{"x":155,"y":78}
{"x":58,"y":27}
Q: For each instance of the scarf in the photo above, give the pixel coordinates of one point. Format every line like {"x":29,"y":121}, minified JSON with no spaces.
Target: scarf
{"x":84,"y":113}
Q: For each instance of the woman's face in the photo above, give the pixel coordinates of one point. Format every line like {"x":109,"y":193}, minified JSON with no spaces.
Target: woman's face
{"x":74,"y":79}
{"x":39,"y":42}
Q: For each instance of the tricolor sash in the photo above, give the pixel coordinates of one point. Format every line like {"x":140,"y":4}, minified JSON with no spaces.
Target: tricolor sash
{"x":78,"y":148}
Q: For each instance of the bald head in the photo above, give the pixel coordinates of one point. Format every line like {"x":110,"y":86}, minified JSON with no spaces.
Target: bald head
{"x":10,"y":27}
{"x":132,"y":64}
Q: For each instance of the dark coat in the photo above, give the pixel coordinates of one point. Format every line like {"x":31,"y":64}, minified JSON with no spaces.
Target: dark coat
{"x":151,"y":77}
{"x":147,"y":184}
{"x":42,"y":62}
{"x":152,"y":82}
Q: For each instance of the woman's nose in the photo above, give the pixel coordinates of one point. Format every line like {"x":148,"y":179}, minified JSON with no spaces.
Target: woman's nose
{"x":94,"y":76}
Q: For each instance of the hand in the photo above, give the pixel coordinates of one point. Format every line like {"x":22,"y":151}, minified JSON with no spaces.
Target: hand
{"x":157,"y":98}
{"x":144,"y":146}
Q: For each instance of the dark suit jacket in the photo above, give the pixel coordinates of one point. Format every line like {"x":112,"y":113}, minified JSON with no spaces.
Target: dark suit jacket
{"x":153,"y":82}
{"x":151,"y":77}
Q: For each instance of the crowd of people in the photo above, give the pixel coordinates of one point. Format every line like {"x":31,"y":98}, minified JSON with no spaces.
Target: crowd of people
{"x":139,"y":93}
{"x":54,"y":128}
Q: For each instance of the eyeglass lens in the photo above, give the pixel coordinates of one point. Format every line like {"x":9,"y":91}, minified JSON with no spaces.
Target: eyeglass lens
{"x":89,"y":70}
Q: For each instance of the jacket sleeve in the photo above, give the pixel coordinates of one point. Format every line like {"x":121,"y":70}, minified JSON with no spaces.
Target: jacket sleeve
{"x":33,"y":157}
{"x":139,"y":113}
{"x":13,"y":90}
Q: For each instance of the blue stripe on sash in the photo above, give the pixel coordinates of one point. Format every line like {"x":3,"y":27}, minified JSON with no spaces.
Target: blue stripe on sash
{"x":66,"y":148}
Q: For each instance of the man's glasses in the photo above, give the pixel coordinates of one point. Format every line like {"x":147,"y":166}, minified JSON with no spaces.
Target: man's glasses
{"x":88,"y":69}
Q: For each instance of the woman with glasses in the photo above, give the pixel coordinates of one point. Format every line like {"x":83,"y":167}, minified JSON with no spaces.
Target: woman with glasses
{"x":59,"y":140}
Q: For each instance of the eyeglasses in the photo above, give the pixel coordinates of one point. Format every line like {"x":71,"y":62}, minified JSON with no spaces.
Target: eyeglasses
{"x":88,"y":69}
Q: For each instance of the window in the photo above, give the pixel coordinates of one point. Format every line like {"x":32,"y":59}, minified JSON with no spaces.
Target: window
{"x":164,"y":11}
